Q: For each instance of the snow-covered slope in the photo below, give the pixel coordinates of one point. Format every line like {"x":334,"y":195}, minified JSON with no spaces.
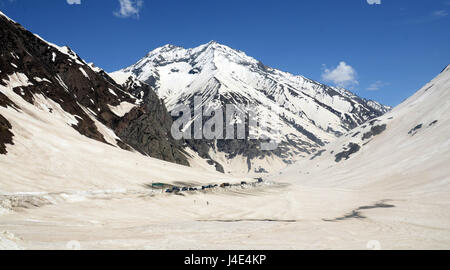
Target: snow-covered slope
{"x":407,"y":149}
{"x":308,"y":114}
{"x":50,"y":156}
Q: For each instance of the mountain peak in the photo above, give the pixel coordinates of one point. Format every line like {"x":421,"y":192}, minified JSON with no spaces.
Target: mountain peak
{"x":214,"y":45}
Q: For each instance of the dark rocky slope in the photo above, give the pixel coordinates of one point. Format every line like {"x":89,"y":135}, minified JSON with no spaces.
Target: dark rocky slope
{"x":62,"y":76}
{"x":144,"y":126}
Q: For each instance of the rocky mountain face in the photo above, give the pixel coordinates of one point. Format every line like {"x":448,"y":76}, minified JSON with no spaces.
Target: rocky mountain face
{"x":59,"y":82}
{"x":147,"y":127}
{"x":306,"y":114}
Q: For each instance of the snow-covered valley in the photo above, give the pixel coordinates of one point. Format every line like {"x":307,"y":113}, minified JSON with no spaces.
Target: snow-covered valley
{"x":380,"y":197}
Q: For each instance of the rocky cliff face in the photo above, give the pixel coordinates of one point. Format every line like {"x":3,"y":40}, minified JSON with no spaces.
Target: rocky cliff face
{"x":144,"y":126}
{"x":58,"y":81}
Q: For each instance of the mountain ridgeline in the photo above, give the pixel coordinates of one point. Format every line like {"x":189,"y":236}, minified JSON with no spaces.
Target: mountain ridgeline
{"x":59,"y":82}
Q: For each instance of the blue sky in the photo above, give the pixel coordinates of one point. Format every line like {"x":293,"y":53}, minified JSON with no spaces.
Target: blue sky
{"x":384,"y":51}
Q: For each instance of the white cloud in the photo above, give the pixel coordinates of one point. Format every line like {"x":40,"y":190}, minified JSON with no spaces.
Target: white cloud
{"x":374,"y":2}
{"x":377,"y":85}
{"x":440,"y":13}
{"x":74,"y":2}
{"x":431,"y":17}
{"x":343,"y":75}
{"x":129,"y":8}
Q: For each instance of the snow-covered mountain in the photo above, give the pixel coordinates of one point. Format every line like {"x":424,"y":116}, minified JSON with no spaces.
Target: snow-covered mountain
{"x":66,"y":89}
{"x":306,"y":113}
